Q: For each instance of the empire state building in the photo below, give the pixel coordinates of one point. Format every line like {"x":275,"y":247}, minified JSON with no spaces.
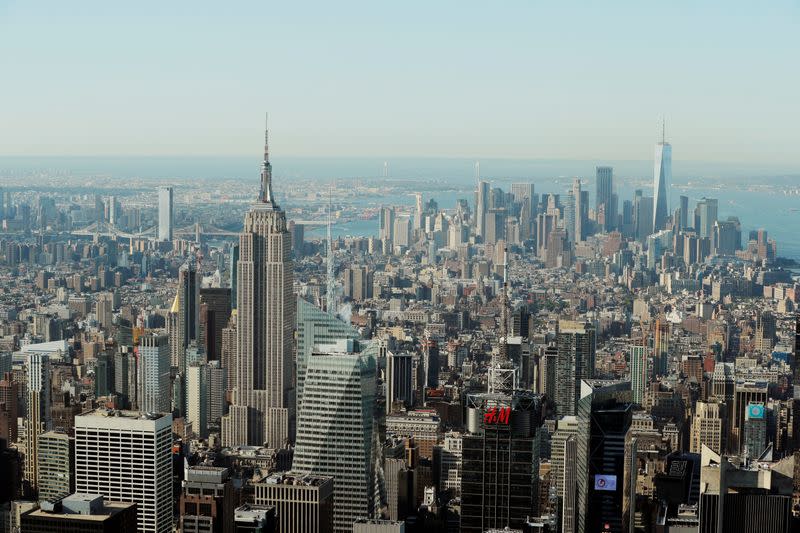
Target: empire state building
{"x":263,"y":410}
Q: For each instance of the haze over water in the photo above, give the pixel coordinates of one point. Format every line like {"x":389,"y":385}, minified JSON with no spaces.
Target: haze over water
{"x":751,"y":192}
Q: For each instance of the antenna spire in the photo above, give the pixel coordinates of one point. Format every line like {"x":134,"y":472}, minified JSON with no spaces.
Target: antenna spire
{"x":663,"y":130}
{"x":265,"y":196}
{"x":331,"y":300}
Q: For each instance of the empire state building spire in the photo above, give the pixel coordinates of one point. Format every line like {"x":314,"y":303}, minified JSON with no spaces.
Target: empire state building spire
{"x":263,"y":403}
{"x":265,"y":196}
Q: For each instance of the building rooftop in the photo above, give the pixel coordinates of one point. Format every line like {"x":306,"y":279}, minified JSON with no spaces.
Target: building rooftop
{"x":290,"y":478}
{"x":122,"y":413}
{"x":81,"y":506}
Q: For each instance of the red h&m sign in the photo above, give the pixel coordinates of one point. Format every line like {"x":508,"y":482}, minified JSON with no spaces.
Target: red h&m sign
{"x":497,"y":415}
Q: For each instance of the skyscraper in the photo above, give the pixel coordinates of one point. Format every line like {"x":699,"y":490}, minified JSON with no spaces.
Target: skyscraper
{"x":197,"y":398}
{"x":604,"y":192}
{"x":56,"y":465}
{"x":263,"y":399}
{"x":576,"y":355}
{"x":111,"y":446}
{"x":705,"y":215}
{"x":165,"y":214}
{"x":38,"y":415}
{"x":662,"y":177}
{"x":188,"y":314}
{"x":215,"y":312}
{"x":314,"y":327}
{"x":603,"y":420}
{"x":234,"y":269}
{"x":482,"y":207}
{"x":639,"y":373}
{"x":386,"y":224}
{"x":580,"y":207}
{"x":153,"y":371}
{"x":500,"y":462}
{"x":684,"y":212}
{"x":398,"y":379}
{"x":335,"y":431}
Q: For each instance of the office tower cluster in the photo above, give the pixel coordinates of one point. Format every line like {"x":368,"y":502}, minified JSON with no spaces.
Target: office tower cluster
{"x":572,"y":356}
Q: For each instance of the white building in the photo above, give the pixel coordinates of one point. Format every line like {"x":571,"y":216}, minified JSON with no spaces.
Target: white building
{"x":450,"y":463}
{"x":197,"y":398}
{"x":154,"y":395}
{"x":165,"y":214}
{"x":127,"y":457}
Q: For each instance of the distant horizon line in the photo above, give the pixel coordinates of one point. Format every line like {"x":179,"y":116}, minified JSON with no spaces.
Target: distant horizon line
{"x":389,"y":158}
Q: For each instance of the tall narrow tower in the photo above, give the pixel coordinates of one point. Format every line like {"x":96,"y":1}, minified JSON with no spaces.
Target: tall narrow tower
{"x":263,"y":396}
{"x":662,"y":176}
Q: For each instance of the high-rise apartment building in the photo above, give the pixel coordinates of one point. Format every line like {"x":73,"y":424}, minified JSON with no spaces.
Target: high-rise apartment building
{"x":126,"y":377}
{"x":450,"y":463}
{"x":639,"y":371}
{"x":37,"y":420}
{"x":399,"y":371}
{"x":165,"y":214}
{"x":335,"y":431}
{"x":127,"y":457}
{"x":263,"y":409}
{"x":566,"y":429}
{"x":9,"y":407}
{"x":186,"y":312}
{"x":662,"y":180}
{"x":215,"y":312}
{"x":575,"y":362}
{"x":153,"y":368}
{"x":198,"y":398}
{"x":56,"y":465}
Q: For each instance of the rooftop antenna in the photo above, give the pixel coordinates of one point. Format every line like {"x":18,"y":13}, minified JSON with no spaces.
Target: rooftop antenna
{"x":502,"y":372}
{"x":331,"y":280}
{"x":663,"y":130}
{"x":504,"y":311}
{"x":477,"y":171}
{"x":266,"y":168}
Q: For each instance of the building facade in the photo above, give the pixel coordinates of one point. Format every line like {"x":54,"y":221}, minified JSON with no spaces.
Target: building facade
{"x":127,"y":457}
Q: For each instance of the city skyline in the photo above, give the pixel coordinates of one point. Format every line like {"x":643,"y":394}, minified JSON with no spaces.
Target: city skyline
{"x":475,"y":294}
{"x":554,"y":81}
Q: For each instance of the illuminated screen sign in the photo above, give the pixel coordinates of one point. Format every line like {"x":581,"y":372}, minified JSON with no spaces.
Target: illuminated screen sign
{"x":497,"y":415}
{"x":603,"y":482}
{"x":755,"y":411}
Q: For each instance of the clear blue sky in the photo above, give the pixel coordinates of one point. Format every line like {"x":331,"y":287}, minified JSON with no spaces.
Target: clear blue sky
{"x":532,"y":79}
